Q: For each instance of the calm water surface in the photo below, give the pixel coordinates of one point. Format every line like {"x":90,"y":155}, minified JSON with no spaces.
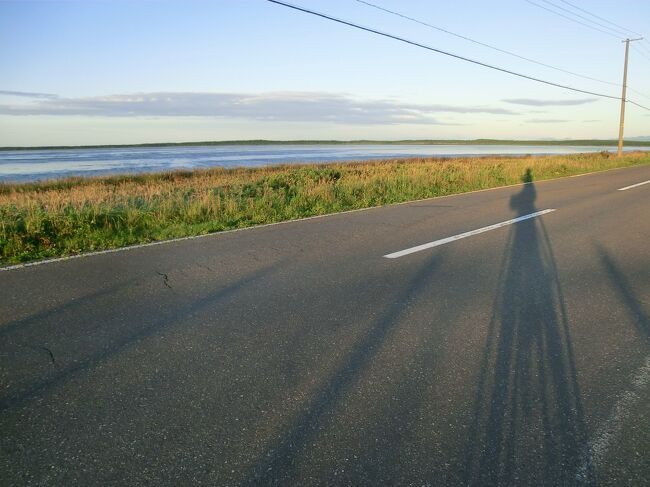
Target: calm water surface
{"x":33,"y":165}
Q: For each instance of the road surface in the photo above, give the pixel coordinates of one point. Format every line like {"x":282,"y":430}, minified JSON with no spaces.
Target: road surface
{"x":475,"y":339}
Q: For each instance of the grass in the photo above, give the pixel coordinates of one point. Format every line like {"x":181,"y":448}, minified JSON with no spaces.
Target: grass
{"x":70,"y":216}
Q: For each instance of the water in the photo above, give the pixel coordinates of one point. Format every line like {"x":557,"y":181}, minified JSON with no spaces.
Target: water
{"x":34,"y":165}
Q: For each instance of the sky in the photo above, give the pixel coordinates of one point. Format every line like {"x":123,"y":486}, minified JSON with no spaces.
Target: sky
{"x":121,"y":72}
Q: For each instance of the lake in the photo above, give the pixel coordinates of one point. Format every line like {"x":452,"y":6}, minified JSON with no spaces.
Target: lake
{"x":33,"y":165}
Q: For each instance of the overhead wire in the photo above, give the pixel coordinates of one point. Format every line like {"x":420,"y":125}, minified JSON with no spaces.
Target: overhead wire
{"x":612,"y":32}
{"x":560,"y":7}
{"x":572,"y":19}
{"x":638,"y":93}
{"x":592,"y":27}
{"x":601,"y":18}
{"x":643,"y":47}
{"x":637,"y":104}
{"x":641,"y":52}
{"x":440,"y":51}
{"x":489,"y":46}
{"x":412,"y":19}
{"x":446,"y":53}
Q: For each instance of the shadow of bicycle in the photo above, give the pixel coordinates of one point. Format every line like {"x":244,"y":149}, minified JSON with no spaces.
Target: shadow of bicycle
{"x":528,"y":423}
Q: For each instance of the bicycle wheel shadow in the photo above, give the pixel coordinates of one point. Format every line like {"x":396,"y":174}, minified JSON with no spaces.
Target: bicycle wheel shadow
{"x":528,"y":424}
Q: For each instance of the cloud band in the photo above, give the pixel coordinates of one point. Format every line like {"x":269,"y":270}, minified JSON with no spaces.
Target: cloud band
{"x":276,"y":106}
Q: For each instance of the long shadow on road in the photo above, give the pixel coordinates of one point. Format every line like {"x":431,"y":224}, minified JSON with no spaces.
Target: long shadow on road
{"x":120,"y":340}
{"x":621,"y":284}
{"x":278,"y":467}
{"x":528,"y":425}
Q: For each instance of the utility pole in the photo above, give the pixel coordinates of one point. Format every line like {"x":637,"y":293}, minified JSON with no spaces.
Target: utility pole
{"x":622,"y":122}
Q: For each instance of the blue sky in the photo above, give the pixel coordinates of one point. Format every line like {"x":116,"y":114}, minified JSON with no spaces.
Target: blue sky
{"x":95,"y":72}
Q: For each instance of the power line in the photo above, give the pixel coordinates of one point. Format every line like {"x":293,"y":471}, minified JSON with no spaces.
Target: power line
{"x":594,"y":28}
{"x":446,"y":53}
{"x":585,"y":18}
{"x":601,"y":18}
{"x":637,"y":104}
{"x":623,"y":31}
{"x":643,"y":47}
{"x":572,"y":19}
{"x":392,"y":12}
{"x":648,"y":58}
{"x":641,"y":52}
{"x":639,"y":93}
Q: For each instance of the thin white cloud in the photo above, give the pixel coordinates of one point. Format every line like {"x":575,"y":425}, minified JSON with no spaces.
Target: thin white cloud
{"x":276,"y":106}
{"x":27,"y":94}
{"x":534,"y":102}
{"x":546,"y":120}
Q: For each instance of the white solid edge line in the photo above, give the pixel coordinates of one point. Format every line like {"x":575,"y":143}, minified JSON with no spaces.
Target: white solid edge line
{"x":190,"y":237}
{"x":263,"y":225}
{"x":443,"y":241}
{"x":634,"y":185}
{"x":608,"y":433}
{"x":222,"y":232}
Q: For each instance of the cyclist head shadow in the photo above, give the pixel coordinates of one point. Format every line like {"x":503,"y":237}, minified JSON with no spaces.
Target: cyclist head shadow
{"x":524,"y":201}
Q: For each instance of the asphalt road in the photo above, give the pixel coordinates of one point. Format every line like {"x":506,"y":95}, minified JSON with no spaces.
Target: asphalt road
{"x":297,"y":354}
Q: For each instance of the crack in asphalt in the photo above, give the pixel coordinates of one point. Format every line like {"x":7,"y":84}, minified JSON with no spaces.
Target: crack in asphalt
{"x":165,"y":279}
{"x":50,"y":353}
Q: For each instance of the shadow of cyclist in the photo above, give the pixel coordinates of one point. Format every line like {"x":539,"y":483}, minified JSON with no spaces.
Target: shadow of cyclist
{"x":527,"y":426}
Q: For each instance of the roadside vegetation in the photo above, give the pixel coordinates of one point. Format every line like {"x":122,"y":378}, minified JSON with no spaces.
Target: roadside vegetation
{"x":75,"y":215}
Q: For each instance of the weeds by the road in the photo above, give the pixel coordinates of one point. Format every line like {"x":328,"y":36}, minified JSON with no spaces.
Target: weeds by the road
{"x":75,"y":215}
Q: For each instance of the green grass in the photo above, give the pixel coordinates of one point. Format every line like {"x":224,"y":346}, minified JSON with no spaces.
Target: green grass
{"x":64,"y":217}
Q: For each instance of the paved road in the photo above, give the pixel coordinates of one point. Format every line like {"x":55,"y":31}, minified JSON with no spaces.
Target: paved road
{"x":297,"y":354}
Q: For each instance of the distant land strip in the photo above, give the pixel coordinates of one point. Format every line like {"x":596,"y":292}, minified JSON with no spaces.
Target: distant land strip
{"x":579,"y":142}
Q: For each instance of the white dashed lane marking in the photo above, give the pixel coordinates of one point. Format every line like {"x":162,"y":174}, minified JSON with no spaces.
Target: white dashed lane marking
{"x":443,"y":241}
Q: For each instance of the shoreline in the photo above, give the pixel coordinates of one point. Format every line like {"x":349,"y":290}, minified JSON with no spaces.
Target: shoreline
{"x":577,"y":143}
{"x":24,"y":167}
